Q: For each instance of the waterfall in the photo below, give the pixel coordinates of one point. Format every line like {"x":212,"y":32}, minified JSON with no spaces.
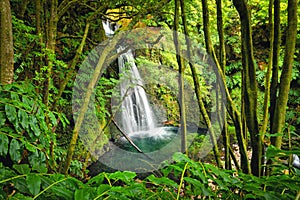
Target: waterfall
{"x":136,"y":112}
{"x":108,"y":28}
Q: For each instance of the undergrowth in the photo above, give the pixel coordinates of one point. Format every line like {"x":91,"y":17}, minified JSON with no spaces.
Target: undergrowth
{"x":183,"y":178}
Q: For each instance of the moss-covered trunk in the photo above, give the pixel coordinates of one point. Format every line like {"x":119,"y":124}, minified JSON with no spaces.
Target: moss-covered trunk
{"x":6,"y":44}
{"x":286,"y":74}
{"x":222,"y":61}
{"x":249,"y":84}
{"x":180,"y":62}
{"x":275,"y":60}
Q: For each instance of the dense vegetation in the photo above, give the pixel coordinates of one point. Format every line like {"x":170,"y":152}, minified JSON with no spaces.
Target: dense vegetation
{"x":255,"y":46}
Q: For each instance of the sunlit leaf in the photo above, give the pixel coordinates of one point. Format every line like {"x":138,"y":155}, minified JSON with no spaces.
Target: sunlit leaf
{"x":125,"y":176}
{"x":3,"y":145}
{"x":23,"y":118}
{"x":84,"y":193}
{"x":22,"y":168}
{"x":52,"y":118}
{"x":34,"y":183}
{"x":11,"y":114}
{"x":34,"y":125}
{"x":162,"y":181}
{"x":2,"y":118}
{"x":14,"y":150}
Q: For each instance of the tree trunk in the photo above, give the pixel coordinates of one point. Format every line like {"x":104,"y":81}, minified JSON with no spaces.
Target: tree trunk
{"x":6,"y":44}
{"x":51,"y":28}
{"x":206,"y":30}
{"x":267,"y":82}
{"x":198,"y":90}
{"x":269,"y":70}
{"x":87,"y":97}
{"x":222,"y":61}
{"x":180,"y":62}
{"x":236,"y":118}
{"x":79,"y":51}
{"x":249,"y":84}
{"x":286,"y":74}
{"x":222,"y":53}
{"x":275,"y":60}
{"x":70,"y":73}
{"x":232,"y":110}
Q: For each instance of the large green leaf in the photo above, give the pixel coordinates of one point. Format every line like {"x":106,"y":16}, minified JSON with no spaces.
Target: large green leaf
{"x":14,"y":96}
{"x":2,"y":118}
{"x":98,"y":180}
{"x":21,"y":185}
{"x":30,"y":147}
{"x":23,"y":118}
{"x":199,"y":187}
{"x":3,"y":145}
{"x":34,"y":125}
{"x":180,"y":157}
{"x":33,"y":183}
{"x":125,"y":176}
{"x":84,"y":193}
{"x":62,"y":192}
{"x":52,"y":118}
{"x":22,"y":168}
{"x":101,"y":189}
{"x":162,"y":181}
{"x":37,"y":161}
{"x":11,"y":114}
{"x":28,"y":103}
{"x":14,"y":150}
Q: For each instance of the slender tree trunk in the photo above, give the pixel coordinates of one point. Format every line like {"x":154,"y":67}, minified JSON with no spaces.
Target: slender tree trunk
{"x":249,"y":84}
{"x":269,"y":70}
{"x":206,"y":28}
{"x":181,"y":66}
{"x":267,"y":83}
{"x":87,"y":96}
{"x":232,"y":110}
{"x":275,"y":60}
{"x":39,"y":60}
{"x":236,"y":118}
{"x":222,"y":61}
{"x":286,"y":74}
{"x":38,"y":17}
{"x":50,"y":45}
{"x":79,"y":50}
{"x":72,"y":67}
{"x":222,"y":53}
{"x":6,"y":44}
{"x":198,"y":90}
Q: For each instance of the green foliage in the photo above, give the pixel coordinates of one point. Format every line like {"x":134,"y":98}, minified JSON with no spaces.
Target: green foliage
{"x":103,"y":94}
{"x":26,"y":127}
{"x":184,"y":179}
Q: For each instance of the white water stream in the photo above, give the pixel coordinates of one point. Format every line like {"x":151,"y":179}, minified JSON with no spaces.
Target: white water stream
{"x":136,"y":113}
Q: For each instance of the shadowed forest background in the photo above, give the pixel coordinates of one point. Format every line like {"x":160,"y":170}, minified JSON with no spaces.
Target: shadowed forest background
{"x":255,"y":46}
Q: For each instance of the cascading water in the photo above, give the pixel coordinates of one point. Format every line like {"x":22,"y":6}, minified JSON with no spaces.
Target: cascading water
{"x":133,"y":112}
{"x":137,"y":114}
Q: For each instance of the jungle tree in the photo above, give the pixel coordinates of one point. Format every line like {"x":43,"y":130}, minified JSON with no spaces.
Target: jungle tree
{"x":286,"y":75}
{"x":6,"y":44}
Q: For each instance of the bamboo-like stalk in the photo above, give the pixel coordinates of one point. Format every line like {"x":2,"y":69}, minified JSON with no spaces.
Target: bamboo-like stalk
{"x":181,"y":66}
{"x":98,"y":70}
